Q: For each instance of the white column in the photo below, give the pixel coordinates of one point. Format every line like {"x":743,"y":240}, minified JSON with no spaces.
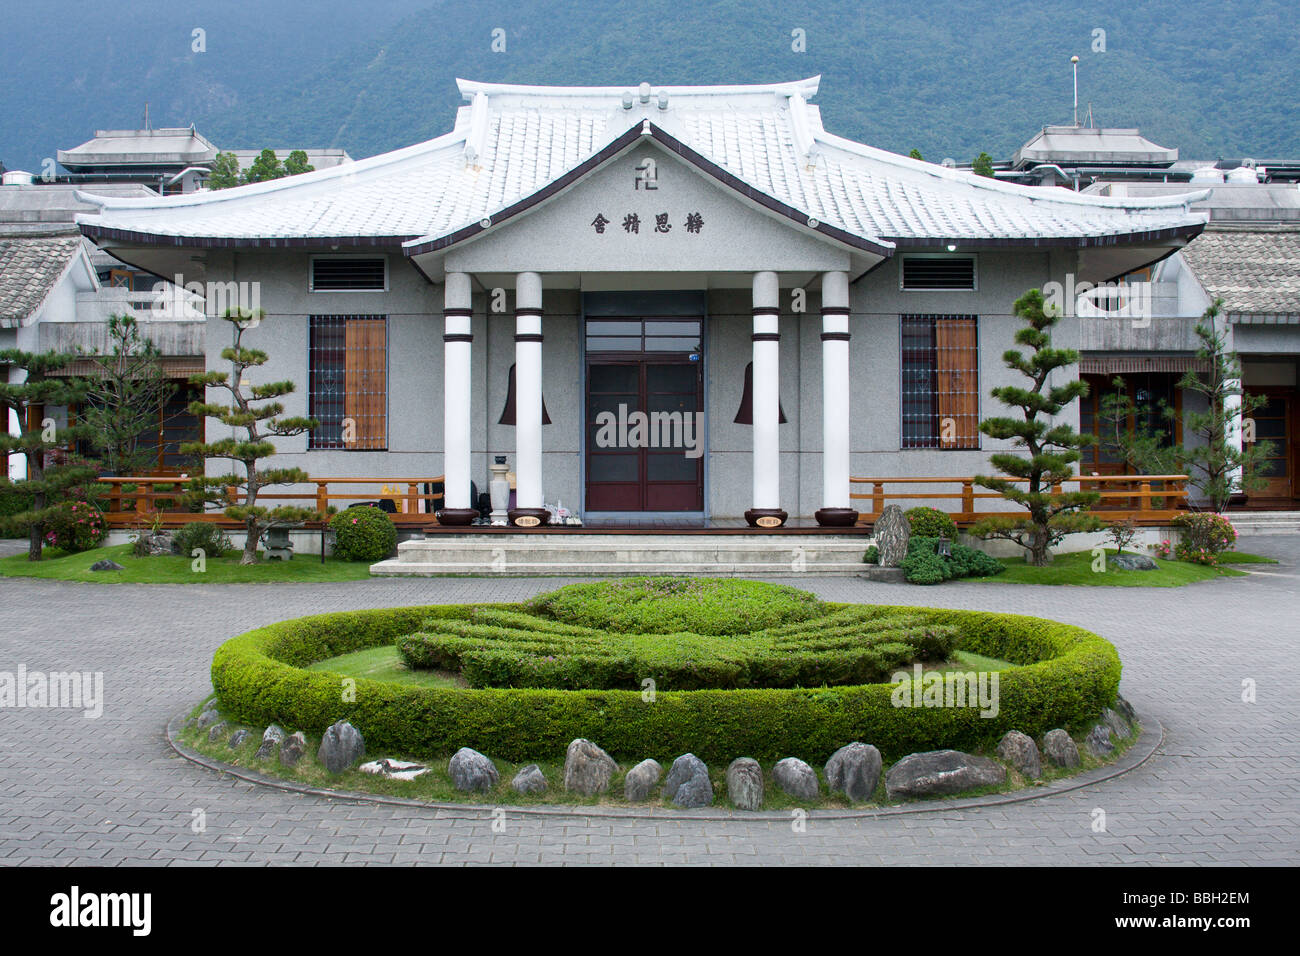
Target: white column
{"x":767,"y":399}
{"x":835,"y":401}
{"x":1231,"y":407}
{"x":457,"y":341}
{"x":528,"y":391}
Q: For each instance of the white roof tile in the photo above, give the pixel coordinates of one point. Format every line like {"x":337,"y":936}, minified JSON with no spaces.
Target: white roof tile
{"x":538,"y":134}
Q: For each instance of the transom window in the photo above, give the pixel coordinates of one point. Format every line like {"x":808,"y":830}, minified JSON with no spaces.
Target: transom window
{"x":644,"y":335}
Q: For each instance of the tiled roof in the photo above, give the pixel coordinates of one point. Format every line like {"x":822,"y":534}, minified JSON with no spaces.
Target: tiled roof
{"x":1254,"y":270}
{"x":30,"y":266}
{"x":511,"y":142}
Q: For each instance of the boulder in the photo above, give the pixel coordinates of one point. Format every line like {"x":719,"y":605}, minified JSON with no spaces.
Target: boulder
{"x":1118,"y":726}
{"x":640,"y":780}
{"x":1131,"y":562}
{"x":587,"y":768}
{"x":394,"y":769}
{"x":237,"y":738}
{"x":148,"y":545}
{"x":684,"y":768}
{"x":272,"y":737}
{"x":470,"y":770}
{"x":291,"y":751}
{"x":854,"y":770}
{"x":1098,"y":741}
{"x":1021,"y":752}
{"x":529,"y":779}
{"x":745,"y":784}
{"x":796,"y":778}
{"x":209,"y":716}
{"x":941,"y":772}
{"x":216,"y":730}
{"x":340,"y":747}
{"x":1125,"y":710}
{"x":891,"y":534}
{"x":694,"y":793}
{"x":1060,"y":748}
{"x":106,"y":565}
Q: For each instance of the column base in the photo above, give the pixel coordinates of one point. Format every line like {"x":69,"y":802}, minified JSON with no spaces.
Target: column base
{"x":528,"y":517}
{"x":457,"y":517}
{"x":836,"y":517}
{"x":765,"y":517}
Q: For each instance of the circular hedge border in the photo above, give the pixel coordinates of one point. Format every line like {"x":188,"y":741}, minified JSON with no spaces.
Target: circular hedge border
{"x":1067,"y":675}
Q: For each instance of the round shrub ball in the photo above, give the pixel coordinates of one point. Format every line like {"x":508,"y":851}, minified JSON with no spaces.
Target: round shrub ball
{"x":363,"y":534}
{"x":663,"y":605}
{"x":931,"y":523}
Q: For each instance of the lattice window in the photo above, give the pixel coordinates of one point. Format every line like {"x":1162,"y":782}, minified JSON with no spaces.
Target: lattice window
{"x":940,"y":381}
{"x":348,"y":358}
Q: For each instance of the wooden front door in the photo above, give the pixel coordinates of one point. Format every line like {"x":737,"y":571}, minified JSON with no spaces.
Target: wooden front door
{"x":1275,"y":423}
{"x":645,"y":416}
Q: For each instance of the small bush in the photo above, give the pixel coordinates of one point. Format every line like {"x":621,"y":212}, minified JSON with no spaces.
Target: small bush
{"x":923,"y":565}
{"x":363,"y":534}
{"x":1205,"y":536}
{"x":659,"y":605}
{"x":931,"y":523}
{"x":201,"y":534}
{"x":872,"y":556}
{"x":75,"y":526}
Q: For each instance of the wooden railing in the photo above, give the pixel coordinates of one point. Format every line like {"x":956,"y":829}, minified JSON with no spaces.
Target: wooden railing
{"x":1148,"y":499}
{"x":139,"y":502}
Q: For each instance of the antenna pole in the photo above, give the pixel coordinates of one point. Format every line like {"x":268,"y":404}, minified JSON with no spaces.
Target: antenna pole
{"x":1074,"y":63}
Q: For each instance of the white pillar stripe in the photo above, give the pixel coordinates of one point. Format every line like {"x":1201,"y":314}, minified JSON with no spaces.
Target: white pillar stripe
{"x":456,"y":395}
{"x":528,"y":391}
{"x":766,"y":393}
{"x":836,"y":391}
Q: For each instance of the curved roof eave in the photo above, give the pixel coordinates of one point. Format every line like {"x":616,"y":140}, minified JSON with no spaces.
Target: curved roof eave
{"x":646,"y":129}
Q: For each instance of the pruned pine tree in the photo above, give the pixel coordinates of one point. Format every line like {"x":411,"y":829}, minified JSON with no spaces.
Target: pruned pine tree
{"x":1050,"y":448}
{"x":49,"y":481}
{"x":255,"y":414}
{"x":124,"y":402}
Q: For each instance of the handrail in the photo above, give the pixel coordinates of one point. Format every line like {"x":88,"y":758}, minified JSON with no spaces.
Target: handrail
{"x":146,"y":504}
{"x":1143,"y":501}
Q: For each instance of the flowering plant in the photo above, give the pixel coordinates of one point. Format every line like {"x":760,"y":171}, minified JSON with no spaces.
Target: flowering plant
{"x":1205,"y":536}
{"x":75,"y":526}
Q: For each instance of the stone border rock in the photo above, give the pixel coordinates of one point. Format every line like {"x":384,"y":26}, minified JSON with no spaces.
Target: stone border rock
{"x":1142,"y":750}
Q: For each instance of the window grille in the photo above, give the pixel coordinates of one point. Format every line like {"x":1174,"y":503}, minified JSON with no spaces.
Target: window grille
{"x":348,"y":373}
{"x":940,"y":381}
{"x":938,"y":273}
{"x":348,"y":274}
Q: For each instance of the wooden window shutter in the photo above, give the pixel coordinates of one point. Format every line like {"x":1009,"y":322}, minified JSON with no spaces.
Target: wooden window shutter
{"x":366,"y":381}
{"x":957,"y":361}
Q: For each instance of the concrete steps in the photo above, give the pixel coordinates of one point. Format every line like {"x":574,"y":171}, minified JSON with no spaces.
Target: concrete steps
{"x":559,"y":554}
{"x":1265,"y":522}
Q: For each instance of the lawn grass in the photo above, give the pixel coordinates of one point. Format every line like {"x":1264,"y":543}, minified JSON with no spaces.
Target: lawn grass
{"x":384,"y":663}
{"x":1076,"y":568}
{"x":1243,"y":557}
{"x":175,"y":569}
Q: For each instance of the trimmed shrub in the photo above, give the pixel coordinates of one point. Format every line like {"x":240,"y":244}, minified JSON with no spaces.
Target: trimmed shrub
{"x":931,"y":523}
{"x":504,"y":650}
{"x":13,"y":501}
{"x":872,"y":556}
{"x":662,"y":605}
{"x":75,"y":526}
{"x":201,"y":534}
{"x":1205,"y":536}
{"x":1068,"y":676}
{"x":363,"y":534}
{"x":924,"y":565}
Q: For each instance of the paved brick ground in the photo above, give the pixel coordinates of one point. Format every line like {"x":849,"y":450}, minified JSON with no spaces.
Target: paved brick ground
{"x":1225,"y":787}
